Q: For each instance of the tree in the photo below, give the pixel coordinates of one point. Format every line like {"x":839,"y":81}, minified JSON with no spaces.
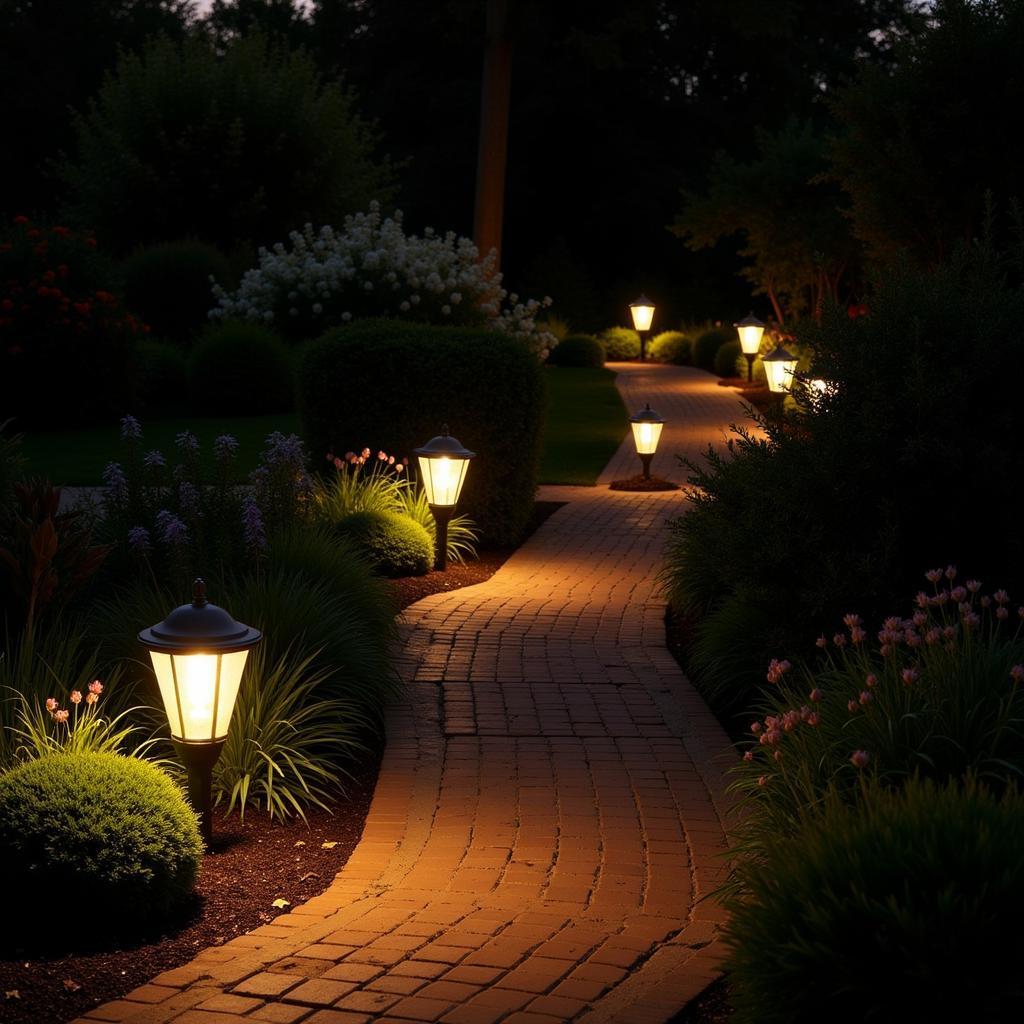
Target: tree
{"x":795,"y":235}
{"x":919,"y":147}
{"x":235,"y":150}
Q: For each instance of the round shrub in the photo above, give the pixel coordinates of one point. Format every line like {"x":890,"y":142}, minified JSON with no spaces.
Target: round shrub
{"x":92,"y":838}
{"x":670,"y":347}
{"x":904,"y":908}
{"x":395,"y":544}
{"x":168,"y":285}
{"x":240,"y":368}
{"x":578,"y":350}
{"x":162,"y":375}
{"x":620,"y":343}
{"x":706,"y":346}
{"x":726,"y":358}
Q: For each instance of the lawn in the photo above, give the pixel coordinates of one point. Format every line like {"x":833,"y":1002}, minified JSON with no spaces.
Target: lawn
{"x":586,"y":424}
{"x":77,"y":457}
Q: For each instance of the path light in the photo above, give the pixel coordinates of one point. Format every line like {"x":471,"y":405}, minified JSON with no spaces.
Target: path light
{"x":779,"y":367}
{"x":642,"y":311}
{"x":443,"y":464}
{"x":750,"y":330}
{"x":198,"y":654}
{"x":647,"y":426}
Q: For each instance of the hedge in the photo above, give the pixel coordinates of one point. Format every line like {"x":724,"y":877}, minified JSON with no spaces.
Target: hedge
{"x":392,"y":385}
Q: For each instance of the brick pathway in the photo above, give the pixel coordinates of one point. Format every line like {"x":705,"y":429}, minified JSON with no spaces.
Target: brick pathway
{"x":549,"y":810}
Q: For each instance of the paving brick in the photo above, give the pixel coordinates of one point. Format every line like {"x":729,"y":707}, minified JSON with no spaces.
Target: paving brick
{"x":320,"y":992}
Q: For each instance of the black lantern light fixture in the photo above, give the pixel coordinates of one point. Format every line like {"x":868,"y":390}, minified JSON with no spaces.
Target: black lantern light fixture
{"x":198,"y":654}
{"x":443,"y":462}
{"x":779,"y":367}
{"x":642,"y":311}
{"x":647,"y":425}
{"x":750,"y":330}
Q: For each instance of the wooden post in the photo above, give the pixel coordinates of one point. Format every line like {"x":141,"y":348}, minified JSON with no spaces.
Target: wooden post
{"x":493,"y":146}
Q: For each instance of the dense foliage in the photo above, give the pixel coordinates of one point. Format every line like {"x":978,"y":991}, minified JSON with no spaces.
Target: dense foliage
{"x":671,"y":347}
{"x":577,"y":350}
{"x":395,"y":544}
{"x":412,"y":379}
{"x":115,"y":828}
{"x":620,"y":343}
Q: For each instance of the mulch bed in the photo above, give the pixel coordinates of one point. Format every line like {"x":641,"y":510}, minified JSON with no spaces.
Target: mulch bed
{"x":252,"y":863}
{"x":642,"y":483}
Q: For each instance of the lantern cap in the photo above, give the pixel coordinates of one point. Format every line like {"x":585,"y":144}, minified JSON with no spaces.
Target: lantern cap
{"x":749,"y":321}
{"x":199,"y":626}
{"x":779,"y":354}
{"x":642,"y":301}
{"x":444,"y":446}
{"x":646,"y":415}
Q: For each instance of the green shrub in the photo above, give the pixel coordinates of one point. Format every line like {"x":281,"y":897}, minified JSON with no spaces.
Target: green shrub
{"x":904,"y":908}
{"x":67,"y":346}
{"x":620,"y":343}
{"x":727,"y":358}
{"x":411,"y":379}
{"x":240,"y":368}
{"x":577,"y":350}
{"x":94,"y":839}
{"x":900,"y":465}
{"x":395,"y":544}
{"x":227,"y":147}
{"x":162,"y":371}
{"x":168,"y":285}
{"x":706,"y":347}
{"x":288,"y":741}
{"x":671,"y":347}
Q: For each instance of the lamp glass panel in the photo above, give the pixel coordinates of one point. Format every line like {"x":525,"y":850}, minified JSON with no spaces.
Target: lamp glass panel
{"x":193,"y":695}
{"x":642,"y":317}
{"x":443,"y":478}
{"x":750,"y":338}
{"x":779,"y":373}
{"x":646,"y":436}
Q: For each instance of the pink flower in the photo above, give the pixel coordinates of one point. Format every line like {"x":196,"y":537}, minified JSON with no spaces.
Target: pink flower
{"x":851,"y":706}
{"x":815,"y":695}
{"x":872,"y":679}
{"x":971,"y":619}
{"x":933,"y":575}
{"x":349,"y":456}
{"x":919,"y":619}
{"x":974,"y":586}
{"x":958,"y":593}
{"x":763,"y":780}
{"x":95,"y":686}
{"x":748,"y":756}
{"x":1017,"y":673}
{"x":60,"y":716}
{"x":51,"y":704}
{"x":76,"y":696}
{"x":865,"y":697}
{"x":839,"y":640}
{"x":91,"y":698}
{"x":777,"y":755}
{"x":382,"y":456}
{"x":950,"y":572}
{"x":932,"y":636}
{"x":1001,"y":596}
{"x":391,"y":460}
{"x":365,"y":453}
{"x":860,"y":758}
{"x":1002,"y":613}
{"x":777,"y":669}
{"x":755,"y":728}
{"x":851,"y":620}
{"x":822,"y":642}
{"x":985,"y":600}
{"x":857,"y":635}
{"x":338,"y":464}
{"x":922,"y":599}
{"x":399,"y":468}
{"x":813,"y":719}
{"x":909,"y":676}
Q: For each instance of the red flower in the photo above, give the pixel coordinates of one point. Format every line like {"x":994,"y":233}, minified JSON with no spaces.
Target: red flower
{"x":21,"y":219}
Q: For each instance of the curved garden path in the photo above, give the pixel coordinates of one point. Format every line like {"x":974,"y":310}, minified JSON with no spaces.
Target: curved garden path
{"x":550,"y":805}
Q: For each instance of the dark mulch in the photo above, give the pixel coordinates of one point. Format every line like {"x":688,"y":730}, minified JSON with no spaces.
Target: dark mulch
{"x":252,"y":863}
{"x":755,"y":393}
{"x":642,"y":483}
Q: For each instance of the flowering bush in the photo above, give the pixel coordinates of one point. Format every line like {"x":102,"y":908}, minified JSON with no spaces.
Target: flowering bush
{"x":939,"y":696}
{"x":65,"y":340}
{"x":176,"y":519}
{"x":372,"y":268}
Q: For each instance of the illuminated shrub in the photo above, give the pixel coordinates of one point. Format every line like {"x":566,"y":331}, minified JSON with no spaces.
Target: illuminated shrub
{"x":394,"y":543}
{"x":620,"y":343}
{"x":577,"y":350}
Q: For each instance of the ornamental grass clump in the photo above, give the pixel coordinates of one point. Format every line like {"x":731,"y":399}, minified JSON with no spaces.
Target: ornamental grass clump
{"x":372,"y":268}
{"x":903,"y":907}
{"x":939,"y":695}
{"x":93,"y":841}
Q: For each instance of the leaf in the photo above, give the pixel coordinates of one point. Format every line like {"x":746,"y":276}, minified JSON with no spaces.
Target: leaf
{"x":328,"y":845}
{"x":71,"y":985}
{"x":280,"y":903}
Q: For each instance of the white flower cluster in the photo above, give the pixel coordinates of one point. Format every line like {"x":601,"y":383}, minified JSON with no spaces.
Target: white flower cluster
{"x":372,"y":268}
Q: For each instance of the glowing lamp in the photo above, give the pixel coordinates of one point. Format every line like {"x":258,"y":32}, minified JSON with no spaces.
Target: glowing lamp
{"x":647,"y":426}
{"x":779,"y":367}
{"x":750,"y":330}
{"x":642,"y":311}
{"x":443,"y":463}
{"x":198,"y":654}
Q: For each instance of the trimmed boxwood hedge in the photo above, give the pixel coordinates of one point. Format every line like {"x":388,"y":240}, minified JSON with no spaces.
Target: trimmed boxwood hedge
{"x":578,"y":350}
{"x":392,"y":384}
